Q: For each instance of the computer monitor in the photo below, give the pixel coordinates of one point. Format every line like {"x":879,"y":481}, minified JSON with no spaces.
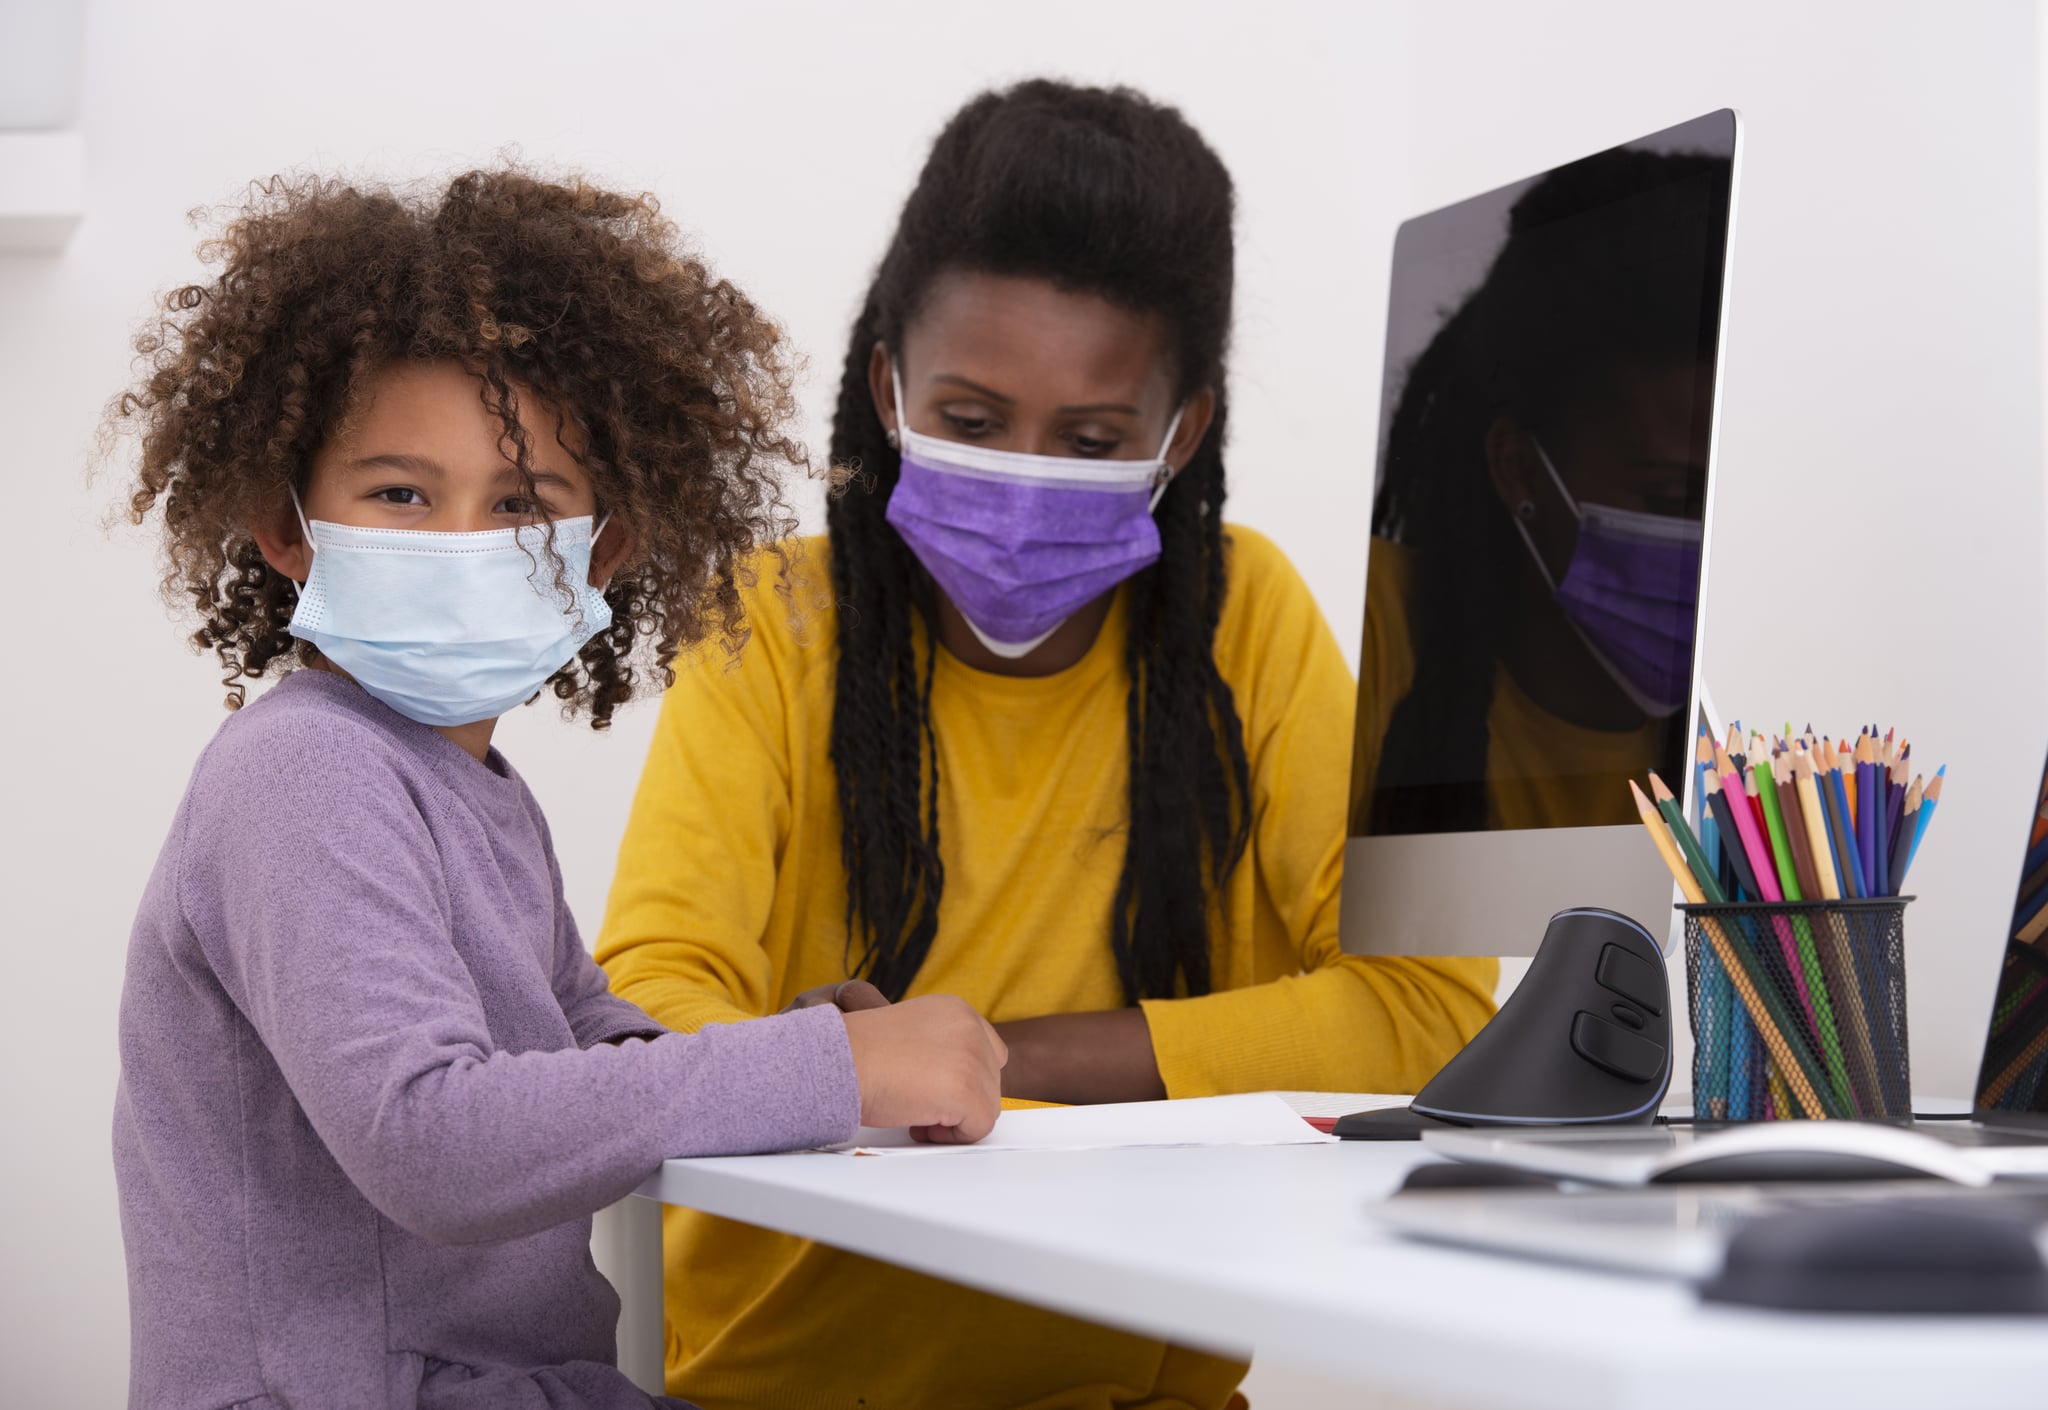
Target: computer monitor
{"x":1537,"y":554}
{"x":2013,"y":1075}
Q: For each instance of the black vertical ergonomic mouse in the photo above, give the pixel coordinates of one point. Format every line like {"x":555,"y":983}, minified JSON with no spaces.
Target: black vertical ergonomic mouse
{"x":1585,"y":1037}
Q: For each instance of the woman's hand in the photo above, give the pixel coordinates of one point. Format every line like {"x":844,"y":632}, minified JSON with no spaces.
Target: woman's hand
{"x":848,"y":996}
{"x":930,"y":1063}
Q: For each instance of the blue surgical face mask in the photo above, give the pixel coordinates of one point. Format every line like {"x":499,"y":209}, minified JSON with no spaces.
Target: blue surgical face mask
{"x":449,"y":629}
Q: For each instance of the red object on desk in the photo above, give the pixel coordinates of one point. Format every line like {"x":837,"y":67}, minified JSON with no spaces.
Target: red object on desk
{"x":1324,"y":1124}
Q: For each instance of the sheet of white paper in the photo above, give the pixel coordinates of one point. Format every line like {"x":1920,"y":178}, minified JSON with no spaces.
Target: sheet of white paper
{"x":1255,"y":1119}
{"x":1341,"y":1103}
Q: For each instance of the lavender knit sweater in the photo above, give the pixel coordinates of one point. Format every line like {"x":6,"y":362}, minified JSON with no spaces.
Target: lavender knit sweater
{"x":372,"y":1087}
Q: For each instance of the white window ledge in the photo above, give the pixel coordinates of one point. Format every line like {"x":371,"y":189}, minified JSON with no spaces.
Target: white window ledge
{"x":42,"y":190}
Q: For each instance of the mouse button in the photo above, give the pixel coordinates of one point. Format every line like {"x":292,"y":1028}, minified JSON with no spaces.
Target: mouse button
{"x":1614,"y":1049}
{"x":1630,"y":1016}
{"x":1630,"y":976}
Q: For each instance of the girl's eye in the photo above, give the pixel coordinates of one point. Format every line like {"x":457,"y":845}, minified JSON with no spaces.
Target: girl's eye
{"x":515,"y":504}
{"x":399,"y":494}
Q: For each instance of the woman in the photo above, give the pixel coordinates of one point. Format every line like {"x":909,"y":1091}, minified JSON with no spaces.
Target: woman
{"x":1034,"y":727}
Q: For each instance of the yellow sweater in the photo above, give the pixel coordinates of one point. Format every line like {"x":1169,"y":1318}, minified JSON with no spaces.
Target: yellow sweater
{"x":730,"y":899}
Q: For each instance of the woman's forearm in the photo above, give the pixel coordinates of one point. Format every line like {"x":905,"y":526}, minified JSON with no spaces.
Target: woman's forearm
{"x":1082,"y":1058}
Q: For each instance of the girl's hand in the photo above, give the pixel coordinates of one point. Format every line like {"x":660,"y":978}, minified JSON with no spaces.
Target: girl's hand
{"x":930,"y":1063}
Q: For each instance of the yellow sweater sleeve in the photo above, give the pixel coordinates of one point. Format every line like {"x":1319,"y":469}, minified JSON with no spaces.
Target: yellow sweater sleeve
{"x":1346,"y":1022}
{"x":696,"y":877}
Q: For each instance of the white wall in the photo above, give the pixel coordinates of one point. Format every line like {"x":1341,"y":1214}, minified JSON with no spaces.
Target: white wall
{"x":1885,"y":359}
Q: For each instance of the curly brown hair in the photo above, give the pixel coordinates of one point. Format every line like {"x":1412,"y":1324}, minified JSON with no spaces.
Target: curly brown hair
{"x":679,"y":386}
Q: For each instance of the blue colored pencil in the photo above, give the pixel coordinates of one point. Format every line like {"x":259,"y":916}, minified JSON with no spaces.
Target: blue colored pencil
{"x":1741,"y":1057}
{"x":1881,"y":845}
{"x":1844,"y":834}
{"x":1867,"y":807}
{"x":1927,"y":805}
{"x":1710,"y":831}
{"x":1895,"y":799}
{"x":1902,"y":835}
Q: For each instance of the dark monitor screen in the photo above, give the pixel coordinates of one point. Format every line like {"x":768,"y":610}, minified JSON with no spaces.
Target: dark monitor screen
{"x":2016,"y":1048}
{"x":1539,"y":508}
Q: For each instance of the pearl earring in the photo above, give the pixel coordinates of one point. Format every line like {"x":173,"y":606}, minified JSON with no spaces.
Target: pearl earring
{"x":895,"y":441}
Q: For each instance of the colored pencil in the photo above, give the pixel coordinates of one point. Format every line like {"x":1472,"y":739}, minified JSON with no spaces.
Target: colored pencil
{"x":1733,"y":843}
{"x":1812,"y":813}
{"x":1902,"y":834}
{"x":1803,"y":862}
{"x":1928,"y":802}
{"x":1804,"y":953}
{"x":1767,"y":881}
{"x":1763,"y":781}
{"x":1843,"y":817}
{"x":1807,"y":1025}
{"x":1866,"y":817}
{"x":1758,"y":998}
{"x":1710,"y":831}
{"x":1695,"y":857}
{"x":1895,"y":797}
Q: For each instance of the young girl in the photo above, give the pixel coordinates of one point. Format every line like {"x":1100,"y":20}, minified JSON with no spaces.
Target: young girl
{"x":1048,"y":734}
{"x":465,"y":451}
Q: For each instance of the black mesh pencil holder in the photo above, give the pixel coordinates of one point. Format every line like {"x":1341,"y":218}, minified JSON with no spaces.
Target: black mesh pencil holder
{"x":1798,"y":1010}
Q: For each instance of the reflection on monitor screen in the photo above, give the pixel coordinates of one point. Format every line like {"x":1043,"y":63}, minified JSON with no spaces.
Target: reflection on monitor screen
{"x":1533,"y":580}
{"x":2016,"y":1050}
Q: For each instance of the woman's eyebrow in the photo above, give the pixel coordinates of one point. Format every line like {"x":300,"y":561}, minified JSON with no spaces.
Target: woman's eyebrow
{"x":974,"y":387}
{"x":1091,"y":408}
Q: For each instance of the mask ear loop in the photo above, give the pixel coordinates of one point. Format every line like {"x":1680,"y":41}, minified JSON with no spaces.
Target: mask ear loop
{"x":1167,"y":473}
{"x":901,"y":432}
{"x":1521,"y":520}
{"x":596,"y":534}
{"x":304,"y":528}
{"x":1555,"y":478}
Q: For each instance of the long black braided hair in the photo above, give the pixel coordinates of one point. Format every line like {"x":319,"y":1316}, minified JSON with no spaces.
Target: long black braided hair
{"x":1592,"y":278}
{"x":1103,"y":192}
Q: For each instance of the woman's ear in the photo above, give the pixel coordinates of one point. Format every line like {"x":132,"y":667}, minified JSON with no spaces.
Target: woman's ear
{"x":612,"y":548}
{"x":282,"y":542}
{"x":882,"y":387}
{"x":1507,"y":466}
{"x":1194,"y":425}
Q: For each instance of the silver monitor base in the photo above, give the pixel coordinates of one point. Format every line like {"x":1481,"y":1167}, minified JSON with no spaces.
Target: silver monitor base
{"x":1492,"y":893}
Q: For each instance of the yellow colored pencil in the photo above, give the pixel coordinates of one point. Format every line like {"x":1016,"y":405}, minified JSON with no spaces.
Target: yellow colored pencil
{"x":1725,"y":951}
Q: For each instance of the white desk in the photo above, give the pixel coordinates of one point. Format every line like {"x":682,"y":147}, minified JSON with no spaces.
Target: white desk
{"x":1265,"y":1249}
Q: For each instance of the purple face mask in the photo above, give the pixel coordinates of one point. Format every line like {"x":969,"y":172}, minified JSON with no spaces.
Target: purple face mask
{"x":1631,"y":591}
{"x":1022,"y":542}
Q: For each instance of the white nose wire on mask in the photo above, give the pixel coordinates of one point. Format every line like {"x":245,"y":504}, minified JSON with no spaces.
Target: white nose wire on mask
{"x":1162,"y":471}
